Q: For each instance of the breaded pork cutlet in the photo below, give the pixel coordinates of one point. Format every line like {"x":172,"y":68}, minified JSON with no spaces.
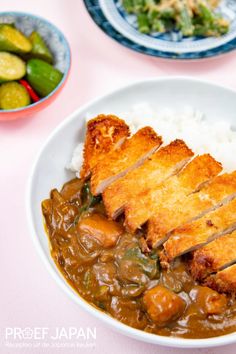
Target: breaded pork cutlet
{"x":132,"y":153}
{"x":104,"y":133}
{"x":223,"y":281}
{"x":147,"y":203}
{"x":215,"y":256}
{"x":176,"y":212}
{"x":164,"y":163}
{"x":195,"y":234}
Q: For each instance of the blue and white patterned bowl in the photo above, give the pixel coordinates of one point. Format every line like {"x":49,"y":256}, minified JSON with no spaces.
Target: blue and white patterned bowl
{"x":172,"y":42}
{"x":58,"y":45}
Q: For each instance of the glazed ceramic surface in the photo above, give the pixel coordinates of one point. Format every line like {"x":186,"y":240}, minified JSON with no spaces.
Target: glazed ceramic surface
{"x":107,"y":25}
{"x":49,"y":171}
{"x":172,"y":42}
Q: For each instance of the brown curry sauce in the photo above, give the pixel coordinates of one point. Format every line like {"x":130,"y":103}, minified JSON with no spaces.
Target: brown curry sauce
{"x":110,"y":269}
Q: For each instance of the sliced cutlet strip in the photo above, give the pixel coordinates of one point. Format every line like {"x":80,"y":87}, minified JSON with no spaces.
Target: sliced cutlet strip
{"x":175,"y":212}
{"x":223,"y":281}
{"x":195,"y":234}
{"x":215,"y":256}
{"x":132,"y":153}
{"x":104,"y":133}
{"x":164,"y":163}
{"x":146,"y":204}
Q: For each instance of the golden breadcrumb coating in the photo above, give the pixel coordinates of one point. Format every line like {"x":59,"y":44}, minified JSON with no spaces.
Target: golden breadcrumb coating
{"x":175,"y":212}
{"x":132,"y":153}
{"x":103,"y":134}
{"x":147,"y":203}
{"x":161,"y":165}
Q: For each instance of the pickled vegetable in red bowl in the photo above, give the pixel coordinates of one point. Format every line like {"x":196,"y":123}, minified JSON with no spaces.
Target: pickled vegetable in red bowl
{"x":34,"y":64}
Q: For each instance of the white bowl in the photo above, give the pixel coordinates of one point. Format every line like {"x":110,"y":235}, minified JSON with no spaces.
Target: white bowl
{"x":49,"y":171}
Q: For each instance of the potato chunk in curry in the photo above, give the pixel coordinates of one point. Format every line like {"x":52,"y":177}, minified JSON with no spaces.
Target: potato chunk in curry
{"x":163,"y":305}
{"x":97,"y":226}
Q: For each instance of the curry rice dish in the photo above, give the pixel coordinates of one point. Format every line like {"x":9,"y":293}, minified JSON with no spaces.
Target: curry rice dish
{"x":147,"y":233}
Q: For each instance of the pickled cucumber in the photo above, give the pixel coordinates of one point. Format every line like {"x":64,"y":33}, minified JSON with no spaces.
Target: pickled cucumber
{"x":11,"y":67}
{"x":12,"y":40}
{"x":39,"y":48}
{"x":13,"y":95}
{"x":42,"y":76}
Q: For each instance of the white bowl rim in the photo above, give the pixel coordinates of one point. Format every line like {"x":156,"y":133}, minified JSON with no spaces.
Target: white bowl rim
{"x":174,"y":342}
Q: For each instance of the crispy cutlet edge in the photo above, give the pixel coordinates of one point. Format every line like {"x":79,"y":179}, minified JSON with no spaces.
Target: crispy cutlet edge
{"x":157,"y":234}
{"x":225,"y":182}
{"x":201,"y":264}
{"x":171,"y":246}
{"x":222,"y":281}
{"x":183,"y":149}
{"x":208,"y":259}
{"x":205,"y":164}
{"x":187,"y":174}
{"x":174,"y":248}
{"x":149,"y":132}
{"x":103,"y":134}
{"x":167,"y":255}
{"x":146,"y":138}
{"x":118,"y":187}
{"x":186,"y":154}
{"x":157,"y":230}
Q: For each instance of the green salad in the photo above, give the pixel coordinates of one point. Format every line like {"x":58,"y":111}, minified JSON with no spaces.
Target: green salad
{"x":190,"y":17}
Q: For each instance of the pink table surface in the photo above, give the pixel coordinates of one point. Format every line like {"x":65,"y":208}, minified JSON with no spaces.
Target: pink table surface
{"x":29,"y":296}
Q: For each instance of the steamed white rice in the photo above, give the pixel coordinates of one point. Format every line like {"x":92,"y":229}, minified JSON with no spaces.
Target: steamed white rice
{"x":202,"y":136}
